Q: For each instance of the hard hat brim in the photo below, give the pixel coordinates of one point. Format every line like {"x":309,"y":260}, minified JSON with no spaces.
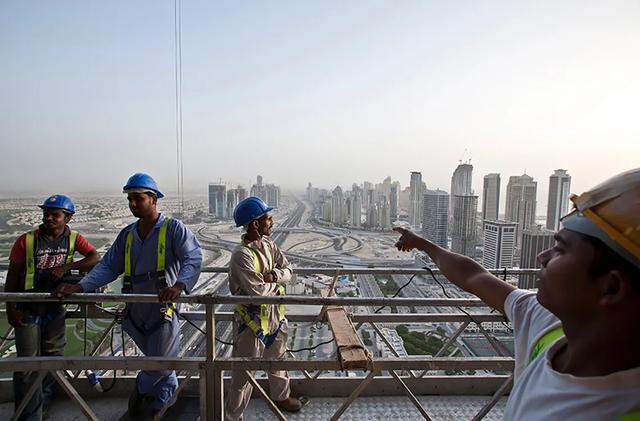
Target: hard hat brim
{"x":57,"y":207}
{"x":267,"y":210}
{"x":143,"y":190}
{"x":577,"y":222}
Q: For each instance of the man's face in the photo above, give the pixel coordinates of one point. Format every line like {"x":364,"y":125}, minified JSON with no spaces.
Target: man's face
{"x":54,"y":219}
{"x":566,"y":286}
{"x":141,"y":204}
{"x":265,"y":224}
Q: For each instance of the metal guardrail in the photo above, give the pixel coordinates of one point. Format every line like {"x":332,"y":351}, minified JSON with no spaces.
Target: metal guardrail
{"x":210,"y":368}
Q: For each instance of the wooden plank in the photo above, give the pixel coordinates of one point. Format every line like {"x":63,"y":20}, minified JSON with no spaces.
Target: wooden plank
{"x":330,"y":291}
{"x":351,"y":352}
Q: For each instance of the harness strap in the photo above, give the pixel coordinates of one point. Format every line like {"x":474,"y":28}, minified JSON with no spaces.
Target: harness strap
{"x":127,"y":282}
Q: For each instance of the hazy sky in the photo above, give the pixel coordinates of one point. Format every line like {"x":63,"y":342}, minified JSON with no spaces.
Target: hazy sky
{"x":330,"y":92}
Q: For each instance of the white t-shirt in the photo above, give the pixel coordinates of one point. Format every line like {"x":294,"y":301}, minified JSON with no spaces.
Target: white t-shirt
{"x":541,"y":393}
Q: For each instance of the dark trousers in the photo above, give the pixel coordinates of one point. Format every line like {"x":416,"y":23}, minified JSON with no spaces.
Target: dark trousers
{"x":41,"y":336}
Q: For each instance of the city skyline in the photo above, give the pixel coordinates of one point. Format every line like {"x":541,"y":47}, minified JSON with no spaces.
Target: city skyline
{"x":344,"y":92}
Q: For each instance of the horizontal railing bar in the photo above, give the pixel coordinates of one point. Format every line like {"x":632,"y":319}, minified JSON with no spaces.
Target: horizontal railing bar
{"x":193,"y":364}
{"x":324,"y":386}
{"x":360,"y":271}
{"x":243,"y":299}
{"x":376,"y":318}
{"x":223,"y":316}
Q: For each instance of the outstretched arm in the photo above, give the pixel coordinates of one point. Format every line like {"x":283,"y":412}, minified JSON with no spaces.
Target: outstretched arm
{"x":461,"y":270}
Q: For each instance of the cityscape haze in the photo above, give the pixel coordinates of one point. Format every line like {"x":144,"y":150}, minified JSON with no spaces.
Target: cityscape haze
{"x":348,"y":119}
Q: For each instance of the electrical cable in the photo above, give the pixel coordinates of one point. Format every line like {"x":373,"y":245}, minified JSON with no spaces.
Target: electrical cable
{"x":397,"y":292}
{"x":113,"y":354}
{"x":448,"y":296}
{"x":311,"y":348}
{"x":200,"y":330}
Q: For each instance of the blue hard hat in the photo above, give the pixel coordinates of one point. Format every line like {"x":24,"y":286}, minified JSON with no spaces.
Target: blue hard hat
{"x":59,"y":201}
{"x":142,"y":181}
{"x":249,"y":209}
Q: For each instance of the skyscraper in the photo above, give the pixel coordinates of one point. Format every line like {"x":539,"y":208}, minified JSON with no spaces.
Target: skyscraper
{"x":521,"y":202}
{"x":461,"y":180}
{"x":384,"y":221}
{"x":356,"y":206}
{"x":259,"y":189}
{"x":535,"y":239}
{"x":234,"y":196}
{"x":464,"y":233}
{"x":217,"y":200}
{"x":499,"y":244}
{"x":273,"y":195}
{"x":491,"y":197}
{"x":366,"y":187}
{"x":394,"y":200}
{"x":558,"y":203}
{"x":435,"y":216}
{"x":415,"y":199}
{"x":337,"y":206}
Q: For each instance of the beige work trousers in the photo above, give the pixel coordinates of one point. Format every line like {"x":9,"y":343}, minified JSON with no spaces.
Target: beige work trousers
{"x":239,"y":393}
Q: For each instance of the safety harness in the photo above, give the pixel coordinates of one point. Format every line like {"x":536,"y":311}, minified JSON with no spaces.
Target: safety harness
{"x":159,"y":274}
{"x":251,"y":313}
{"x":30,"y":247}
{"x":547,"y":340}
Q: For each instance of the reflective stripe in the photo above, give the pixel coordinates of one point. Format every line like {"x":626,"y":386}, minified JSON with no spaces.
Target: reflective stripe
{"x":30,"y":247}
{"x":31,"y":261}
{"x":72,"y":246}
{"x":127,"y":254}
{"x":160,"y":263}
{"x":162,"y":245}
{"x":262,"y":330}
{"x":162,"y":249}
{"x":545,"y":341}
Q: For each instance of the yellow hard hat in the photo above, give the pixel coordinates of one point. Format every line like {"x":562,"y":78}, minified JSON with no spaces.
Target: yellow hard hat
{"x":611,"y":213}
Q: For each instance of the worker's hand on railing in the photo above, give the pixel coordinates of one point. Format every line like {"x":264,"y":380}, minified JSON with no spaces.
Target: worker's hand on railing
{"x":64,"y":290}
{"x":269,"y":278}
{"x":171,"y":293}
{"x":14,"y":316}
{"x":408,"y":240}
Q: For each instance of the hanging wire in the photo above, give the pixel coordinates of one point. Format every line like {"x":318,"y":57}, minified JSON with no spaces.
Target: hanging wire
{"x":178,"y":75}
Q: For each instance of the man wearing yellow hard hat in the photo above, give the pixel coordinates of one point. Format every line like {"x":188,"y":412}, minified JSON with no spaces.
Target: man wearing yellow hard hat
{"x":577,"y":341}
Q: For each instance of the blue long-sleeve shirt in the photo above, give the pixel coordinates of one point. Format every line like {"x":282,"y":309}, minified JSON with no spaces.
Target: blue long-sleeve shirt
{"x":182,"y":261}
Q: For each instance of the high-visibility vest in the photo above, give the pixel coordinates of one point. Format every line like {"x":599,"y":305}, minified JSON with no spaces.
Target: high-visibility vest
{"x":545,"y":341}
{"x":549,"y":338}
{"x":127,"y":286}
{"x":30,"y":247}
{"x":261,"y":330}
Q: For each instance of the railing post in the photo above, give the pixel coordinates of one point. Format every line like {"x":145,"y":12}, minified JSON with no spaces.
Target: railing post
{"x":213,"y":377}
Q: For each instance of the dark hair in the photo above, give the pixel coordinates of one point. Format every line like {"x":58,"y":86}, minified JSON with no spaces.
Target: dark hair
{"x":606,"y":259}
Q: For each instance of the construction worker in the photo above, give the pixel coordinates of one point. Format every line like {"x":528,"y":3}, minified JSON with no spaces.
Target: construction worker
{"x":39,"y":260}
{"x":158,"y":255}
{"x":577,"y":341}
{"x":258,"y":267}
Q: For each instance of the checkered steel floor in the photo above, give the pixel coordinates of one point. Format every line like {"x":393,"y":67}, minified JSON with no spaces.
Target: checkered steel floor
{"x":455,"y":408}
